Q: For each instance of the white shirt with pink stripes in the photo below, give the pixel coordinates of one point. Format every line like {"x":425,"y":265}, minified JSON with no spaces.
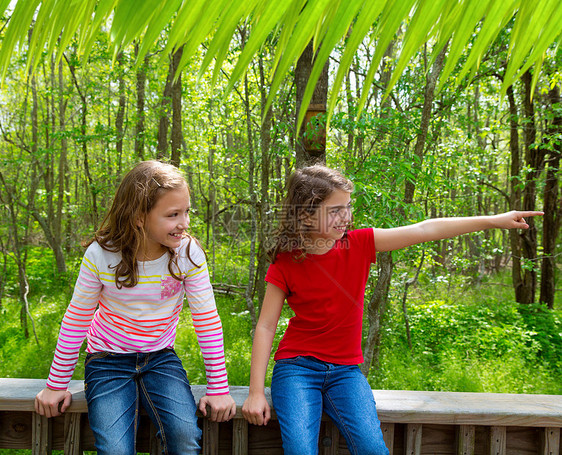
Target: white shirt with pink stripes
{"x":143,"y":318}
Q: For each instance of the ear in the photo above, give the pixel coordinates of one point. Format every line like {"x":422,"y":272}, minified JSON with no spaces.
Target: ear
{"x":140,"y":221}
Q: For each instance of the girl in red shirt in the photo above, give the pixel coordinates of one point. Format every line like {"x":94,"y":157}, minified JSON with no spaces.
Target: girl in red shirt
{"x":321,"y":269}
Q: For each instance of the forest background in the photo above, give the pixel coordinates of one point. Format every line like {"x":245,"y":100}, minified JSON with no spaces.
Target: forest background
{"x":478,"y":313}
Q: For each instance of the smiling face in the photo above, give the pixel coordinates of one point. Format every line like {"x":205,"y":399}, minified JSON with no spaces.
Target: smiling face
{"x":164,"y":225}
{"x":329,"y":222}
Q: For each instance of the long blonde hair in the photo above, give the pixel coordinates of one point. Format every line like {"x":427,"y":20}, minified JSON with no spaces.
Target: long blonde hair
{"x":120,"y":231}
{"x":307,"y":188}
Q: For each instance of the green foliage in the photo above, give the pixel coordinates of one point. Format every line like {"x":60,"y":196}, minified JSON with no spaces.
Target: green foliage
{"x":474,"y":341}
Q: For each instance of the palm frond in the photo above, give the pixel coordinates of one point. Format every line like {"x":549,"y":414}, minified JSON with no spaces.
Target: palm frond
{"x":327,"y":23}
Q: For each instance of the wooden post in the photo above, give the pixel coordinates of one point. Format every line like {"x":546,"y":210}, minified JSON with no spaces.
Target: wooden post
{"x":550,"y":441}
{"x":239,"y":437}
{"x":41,"y":435}
{"x":413,"y":438}
{"x":210,"y":437}
{"x":72,"y":433}
{"x":497,"y":441}
{"x":388,"y":436}
{"x":465,"y":439}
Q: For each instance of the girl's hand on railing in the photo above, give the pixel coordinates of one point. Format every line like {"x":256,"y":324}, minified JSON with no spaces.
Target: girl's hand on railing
{"x":256,"y":409}
{"x":52,"y":403}
{"x":222,"y":407}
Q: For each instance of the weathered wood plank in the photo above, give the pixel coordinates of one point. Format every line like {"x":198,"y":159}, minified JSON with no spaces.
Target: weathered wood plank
{"x":210,"y":439}
{"x":397,"y":406}
{"x":413,"y":439}
{"x":550,"y":441}
{"x":41,"y":435}
{"x":439,"y":439}
{"x":465,"y":439}
{"x":239,"y":437}
{"x":72,"y":421}
{"x":388,"y":435}
{"x":466,"y":408}
{"x":15,"y":430}
{"x":497,"y":441}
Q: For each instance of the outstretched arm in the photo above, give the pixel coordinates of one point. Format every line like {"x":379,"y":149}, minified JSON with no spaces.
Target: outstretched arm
{"x":445,"y":228}
{"x":256,"y":410}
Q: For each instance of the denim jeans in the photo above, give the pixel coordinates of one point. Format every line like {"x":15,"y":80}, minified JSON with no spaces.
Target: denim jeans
{"x":116,"y":385}
{"x":304,"y":387}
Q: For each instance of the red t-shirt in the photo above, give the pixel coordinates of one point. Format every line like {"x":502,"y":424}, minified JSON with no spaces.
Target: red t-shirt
{"x":326,"y":292}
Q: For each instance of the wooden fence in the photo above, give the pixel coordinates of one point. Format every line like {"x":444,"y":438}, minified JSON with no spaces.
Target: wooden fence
{"x":413,"y":423}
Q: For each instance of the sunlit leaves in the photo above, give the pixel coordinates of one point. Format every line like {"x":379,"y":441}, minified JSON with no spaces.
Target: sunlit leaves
{"x":297,"y":22}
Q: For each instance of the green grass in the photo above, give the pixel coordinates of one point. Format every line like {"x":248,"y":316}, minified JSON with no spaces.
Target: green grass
{"x":474,"y":339}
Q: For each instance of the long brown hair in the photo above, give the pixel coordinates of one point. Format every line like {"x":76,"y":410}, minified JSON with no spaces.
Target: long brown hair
{"x":307,"y":188}
{"x":120,"y":231}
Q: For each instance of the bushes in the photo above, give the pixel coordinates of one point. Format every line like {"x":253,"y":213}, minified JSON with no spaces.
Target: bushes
{"x":473,"y":342}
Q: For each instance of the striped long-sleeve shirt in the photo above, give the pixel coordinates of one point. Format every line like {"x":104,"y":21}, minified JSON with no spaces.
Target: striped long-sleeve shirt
{"x":143,"y":318}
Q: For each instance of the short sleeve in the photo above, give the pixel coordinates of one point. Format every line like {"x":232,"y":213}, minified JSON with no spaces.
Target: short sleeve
{"x":275,"y":276}
{"x":365,"y":240}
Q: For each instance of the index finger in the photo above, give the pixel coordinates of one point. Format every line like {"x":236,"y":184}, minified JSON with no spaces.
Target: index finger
{"x":530,"y":213}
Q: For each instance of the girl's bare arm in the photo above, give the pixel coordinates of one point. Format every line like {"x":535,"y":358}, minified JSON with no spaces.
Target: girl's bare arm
{"x":444,"y":228}
{"x":256,"y":409}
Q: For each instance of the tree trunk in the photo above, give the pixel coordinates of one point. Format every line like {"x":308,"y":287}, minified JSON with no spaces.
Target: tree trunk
{"x":164,"y":112}
{"x":176,"y":111}
{"x":552,"y":204}
{"x":419,"y":148}
{"x":141,"y":99}
{"x":310,"y":146}
{"x":249,"y":293}
{"x":377,"y":304}
{"x":84,"y":142}
{"x":534,"y":160}
{"x":120,"y":116}
{"x":265,"y":221}
{"x":376,"y":310}
{"x":515,"y":195}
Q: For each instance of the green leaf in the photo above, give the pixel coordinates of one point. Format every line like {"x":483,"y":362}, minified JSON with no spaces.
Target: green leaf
{"x":395,"y":11}
{"x":154,"y":28}
{"x":90,"y":30}
{"x":364,"y":21}
{"x":272,"y":14}
{"x":16,"y":32}
{"x":536,"y":30}
{"x":226,"y":27}
{"x":464,"y":21}
{"x":200,"y":32}
{"x":498,"y":14}
{"x":333,"y":35}
{"x":427,"y":14}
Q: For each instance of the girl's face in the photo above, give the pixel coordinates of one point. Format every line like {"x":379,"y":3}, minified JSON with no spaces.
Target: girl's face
{"x":164,"y":225}
{"x":330,"y":221}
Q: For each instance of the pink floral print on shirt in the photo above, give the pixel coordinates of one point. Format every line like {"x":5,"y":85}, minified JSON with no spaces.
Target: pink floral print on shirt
{"x":169,"y":286}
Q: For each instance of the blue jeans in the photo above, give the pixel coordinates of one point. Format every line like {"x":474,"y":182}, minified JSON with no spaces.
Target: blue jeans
{"x":115,"y":386}
{"x":304,"y":387}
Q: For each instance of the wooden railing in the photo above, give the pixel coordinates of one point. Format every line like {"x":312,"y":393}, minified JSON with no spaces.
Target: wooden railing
{"x":413,"y":423}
